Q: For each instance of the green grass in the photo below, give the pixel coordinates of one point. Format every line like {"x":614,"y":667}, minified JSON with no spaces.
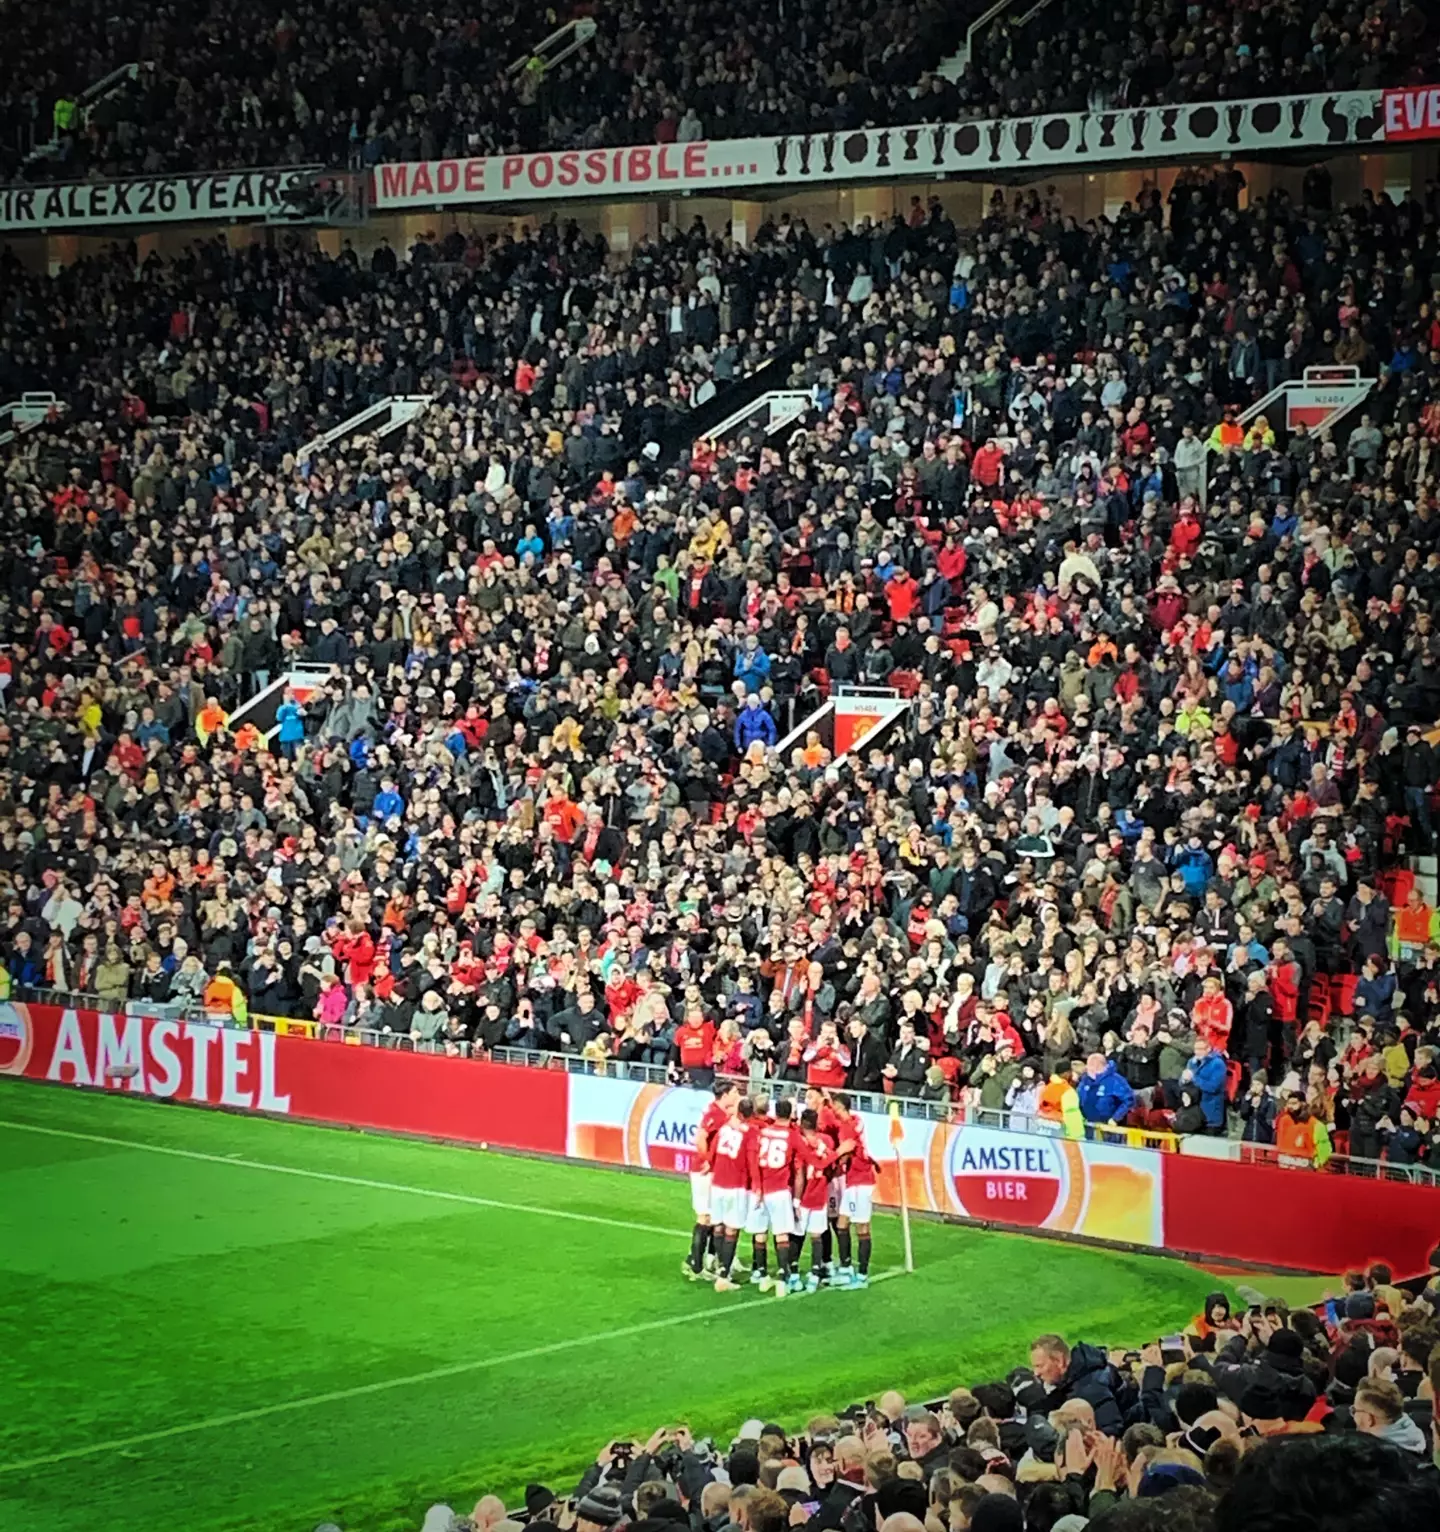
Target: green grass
{"x":407,"y":1348}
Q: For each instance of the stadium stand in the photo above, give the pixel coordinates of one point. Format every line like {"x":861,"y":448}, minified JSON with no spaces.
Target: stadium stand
{"x":1135,"y":851}
{"x":1221,"y":51}
{"x":1270,"y":1417}
{"x":351,"y":85}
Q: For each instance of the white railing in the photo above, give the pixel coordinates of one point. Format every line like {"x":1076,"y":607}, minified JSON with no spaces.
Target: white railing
{"x":378,"y":419}
{"x":778,"y":407}
{"x":558,"y":47}
{"x":27,"y":411}
{"x":953,"y":67}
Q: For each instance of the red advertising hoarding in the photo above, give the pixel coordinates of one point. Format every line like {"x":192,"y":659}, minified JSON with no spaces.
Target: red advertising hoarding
{"x":1264,"y":1215}
{"x":246,"y":1071}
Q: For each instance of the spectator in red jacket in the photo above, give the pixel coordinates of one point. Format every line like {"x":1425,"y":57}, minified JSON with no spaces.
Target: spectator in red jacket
{"x":1284,"y":982}
{"x":1214,"y":1015}
{"x":827,"y":1059}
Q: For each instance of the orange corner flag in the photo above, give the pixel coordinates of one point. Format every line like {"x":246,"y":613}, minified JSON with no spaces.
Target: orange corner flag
{"x":897,"y":1128}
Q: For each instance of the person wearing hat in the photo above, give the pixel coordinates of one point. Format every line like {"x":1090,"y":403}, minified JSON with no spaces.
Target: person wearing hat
{"x":539,"y":1502}
{"x":1275,"y":1365}
{"x":599,"y":1509}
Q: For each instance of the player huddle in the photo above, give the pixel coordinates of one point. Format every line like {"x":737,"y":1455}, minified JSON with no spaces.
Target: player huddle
{"x":760,"y":1173}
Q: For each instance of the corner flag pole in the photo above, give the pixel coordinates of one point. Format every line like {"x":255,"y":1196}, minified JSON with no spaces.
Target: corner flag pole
{"x":897,"y":1139}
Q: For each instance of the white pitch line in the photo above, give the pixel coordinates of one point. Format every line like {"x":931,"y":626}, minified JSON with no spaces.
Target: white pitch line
{"x":378,"y":1186}
{"x":360,"y":1391}
{"x":363,"y":1390}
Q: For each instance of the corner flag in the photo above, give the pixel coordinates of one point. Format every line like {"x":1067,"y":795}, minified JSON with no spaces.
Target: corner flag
{"x":897,"y":1139}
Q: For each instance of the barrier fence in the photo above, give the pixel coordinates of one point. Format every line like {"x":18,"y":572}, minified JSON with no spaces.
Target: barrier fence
{"x":952,"y":1114}
{"x":981,"y":1167}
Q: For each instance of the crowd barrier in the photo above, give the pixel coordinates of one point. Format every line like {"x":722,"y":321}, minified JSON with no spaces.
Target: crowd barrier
{"x":987,"y":1171}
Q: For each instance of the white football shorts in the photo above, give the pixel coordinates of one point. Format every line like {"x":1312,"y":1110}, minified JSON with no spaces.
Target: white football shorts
{"x":729,"y":1207}
{"x":810,"y":1221}
{"x":857,"y":1203}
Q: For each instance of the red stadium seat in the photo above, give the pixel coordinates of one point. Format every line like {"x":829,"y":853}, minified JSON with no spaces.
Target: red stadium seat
{"x":906,"y":682}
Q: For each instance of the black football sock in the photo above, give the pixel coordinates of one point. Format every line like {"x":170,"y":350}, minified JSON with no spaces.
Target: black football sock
{"x":725,"y":1253}
{"x":698,"y":1241}
{"x":817,"y":1253}
{"x":782,"y":1254}
{"x":843,"y":1238}
{"x":864,"y":1242}
{"x":826,"y":1246}
{"x":707,"y":1242}
{"x":757,"y":1255}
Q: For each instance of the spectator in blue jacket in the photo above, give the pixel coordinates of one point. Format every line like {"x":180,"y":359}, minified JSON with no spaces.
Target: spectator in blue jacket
{"x":24,"y":966}
{"x":1105,"y":1094}
{"x":1195,"y":866}
{"x":752,"y":664}
{"x":1374,"y":991}
{"x":290,"y":716}
{"x":754,"y":723}
{"x":1206,"y":1071}
{"x":388,"y":802}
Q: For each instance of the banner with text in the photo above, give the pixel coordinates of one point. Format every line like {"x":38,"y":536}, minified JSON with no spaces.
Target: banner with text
{"x":1026,"y":1180}
{"x":1412,"y":114}
{"x":1060,"y":140}
{"x":231,"y":196}
{"x":289,"y":1076}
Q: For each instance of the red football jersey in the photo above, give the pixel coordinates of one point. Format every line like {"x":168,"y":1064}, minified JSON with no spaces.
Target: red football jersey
{"x":715,"y":1117}
{"x":830,"y":1125}
{"x":775,"y":1156}
{"x":729,"y":1158}
{"x":859,"y":1167}
{"x":816,"y":1157}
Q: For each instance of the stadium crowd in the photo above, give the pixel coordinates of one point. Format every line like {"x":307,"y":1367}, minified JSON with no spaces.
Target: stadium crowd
{"x":341,"y":84}
{"x":1127,"y":860}
{"x":1192,"y":53}
{"x":1260,"y":1418}
{"x":349,"y":84}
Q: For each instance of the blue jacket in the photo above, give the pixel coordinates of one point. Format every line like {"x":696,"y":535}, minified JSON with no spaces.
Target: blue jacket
{"x":1105,"y":1097}
{"x":26,"y":969}
{"x":292,"y":723}
{"x":752,"y":724}
{"x":1194,"y":866}
{"x":1208,"y":1075}
{"x":1374,"y":997}
{"x":752,"y":666}
{"x":389,"y":805}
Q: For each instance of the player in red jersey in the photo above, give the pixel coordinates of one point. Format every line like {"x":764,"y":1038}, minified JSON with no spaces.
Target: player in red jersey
{"x":816,"y":1159}
{"x":857,"y":1199}
{"x":732,"y":1173}
{"x":828,"y":1124}
{"x":717,"y":1114}
{"x":772,"y":1211}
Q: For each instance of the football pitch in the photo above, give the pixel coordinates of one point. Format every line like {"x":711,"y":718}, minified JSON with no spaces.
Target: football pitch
{"x":216,"y":1322}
